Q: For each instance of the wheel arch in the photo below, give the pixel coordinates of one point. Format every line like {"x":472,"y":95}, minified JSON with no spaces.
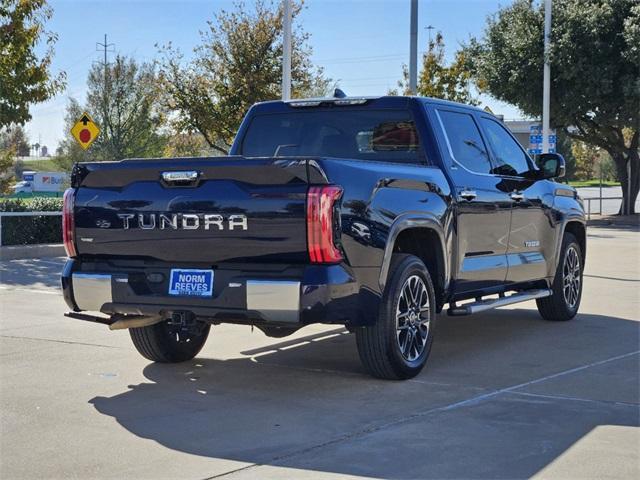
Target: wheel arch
{"x":577,"y":227}
{"x":422,"y":236}
{"x":579,"y":231}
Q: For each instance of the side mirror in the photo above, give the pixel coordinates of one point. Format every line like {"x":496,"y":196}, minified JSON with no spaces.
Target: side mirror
{"x":551,"y":165}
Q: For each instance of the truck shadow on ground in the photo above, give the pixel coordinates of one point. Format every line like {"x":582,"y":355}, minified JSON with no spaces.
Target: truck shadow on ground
{"x":32,"y":273}
{"x":308,"y":404}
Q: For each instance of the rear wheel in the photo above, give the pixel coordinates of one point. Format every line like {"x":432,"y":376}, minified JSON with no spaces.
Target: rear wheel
{"x":397,"y":346}
{"x":170,"y":342}
{"x":567,"y":284}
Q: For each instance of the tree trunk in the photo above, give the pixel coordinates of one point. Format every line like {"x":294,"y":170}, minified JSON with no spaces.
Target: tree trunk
{"x":628,"y":203}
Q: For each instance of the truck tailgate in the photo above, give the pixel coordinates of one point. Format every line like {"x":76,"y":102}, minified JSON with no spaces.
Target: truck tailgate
{"x":235,"y":209}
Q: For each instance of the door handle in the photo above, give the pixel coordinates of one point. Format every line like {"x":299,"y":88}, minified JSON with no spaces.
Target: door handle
{"x":517,"y":196}
{"x":180,"y":176}
{"x":468,"y":194}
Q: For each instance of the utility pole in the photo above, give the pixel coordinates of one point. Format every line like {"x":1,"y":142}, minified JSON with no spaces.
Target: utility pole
{"x":106,"y":48}
{"x":413,"y":49}
{"x":286,"y":50}
{"x":546,"y":82}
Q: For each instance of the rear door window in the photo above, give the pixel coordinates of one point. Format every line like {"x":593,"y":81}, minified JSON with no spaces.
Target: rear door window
{"x":465,"y":142}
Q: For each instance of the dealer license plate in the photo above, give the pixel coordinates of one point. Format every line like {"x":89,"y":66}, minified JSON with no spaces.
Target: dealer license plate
{"x":192,"y":283}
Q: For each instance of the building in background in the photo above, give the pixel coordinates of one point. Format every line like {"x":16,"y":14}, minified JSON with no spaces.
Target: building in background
{"x":521,"y":130}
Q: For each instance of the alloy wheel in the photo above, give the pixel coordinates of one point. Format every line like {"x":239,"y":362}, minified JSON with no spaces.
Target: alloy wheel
{"x":412,"y":318}
{"x":571,"y":277}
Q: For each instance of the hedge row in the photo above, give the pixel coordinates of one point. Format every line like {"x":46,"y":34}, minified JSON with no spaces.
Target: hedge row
{"x":30,"y":230}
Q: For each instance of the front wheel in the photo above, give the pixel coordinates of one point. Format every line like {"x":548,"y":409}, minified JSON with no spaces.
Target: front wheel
{"x":563,"y":304}
{"x":168,"y":342}
{"x":397,"y":346}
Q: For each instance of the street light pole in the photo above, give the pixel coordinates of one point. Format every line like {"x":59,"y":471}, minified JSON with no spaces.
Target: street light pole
{"x":286,"y":50}
{"x":413,"y":49}
{"x":546,"y":83}
{"x":430,"y":27}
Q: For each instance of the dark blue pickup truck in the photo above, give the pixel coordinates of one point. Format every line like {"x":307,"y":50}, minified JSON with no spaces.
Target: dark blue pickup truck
{"x":373,"y":213}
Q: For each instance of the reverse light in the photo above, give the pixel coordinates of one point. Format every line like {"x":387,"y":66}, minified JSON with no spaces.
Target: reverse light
{"x":68,"y":228}
{"x":320,"y":224}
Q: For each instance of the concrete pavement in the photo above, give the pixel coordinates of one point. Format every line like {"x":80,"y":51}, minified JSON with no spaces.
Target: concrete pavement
{"x":505,"y":394}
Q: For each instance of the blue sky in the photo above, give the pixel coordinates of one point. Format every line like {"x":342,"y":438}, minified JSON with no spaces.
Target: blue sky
{"x":361,"y":43}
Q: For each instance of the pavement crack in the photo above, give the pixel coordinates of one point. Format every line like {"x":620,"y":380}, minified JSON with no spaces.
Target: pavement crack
{"x":576,"y":399}
{"x":16,"y":337}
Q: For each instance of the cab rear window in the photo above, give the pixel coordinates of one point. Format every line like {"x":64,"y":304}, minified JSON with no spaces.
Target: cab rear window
{"x":384,"y":135}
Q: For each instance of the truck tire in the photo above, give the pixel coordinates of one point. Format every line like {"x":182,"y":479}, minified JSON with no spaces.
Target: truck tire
{"x":397,"y":345}
{"x":162,"y":343}
{"x":563,"y":304}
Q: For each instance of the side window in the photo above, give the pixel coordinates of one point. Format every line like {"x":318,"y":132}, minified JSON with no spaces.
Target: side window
{"x":510,"y":158}
{"x":465,"y":141}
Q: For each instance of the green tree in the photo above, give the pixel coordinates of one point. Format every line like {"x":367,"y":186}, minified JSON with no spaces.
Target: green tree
{"x":185,"y":145}
{"x":587,"y":158}
{"x":238,"y":63}
{"x":13,"y":142}
{"x":564,"y":145}
{"x":15,"y":138}
{"x":439,"y":80}
{"x":25,"y":78}
{"x":7,"y":157}
{"x":123,"y":99}
{"x":595,"y":72}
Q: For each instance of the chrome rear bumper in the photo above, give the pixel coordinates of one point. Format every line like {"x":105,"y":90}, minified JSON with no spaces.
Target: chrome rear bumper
{"x":273,"y":300}
{"x":91,"y":290}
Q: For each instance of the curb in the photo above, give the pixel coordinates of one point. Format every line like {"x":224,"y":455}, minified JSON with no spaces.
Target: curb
{"x":614,"y":220}
{"x":15,"y":252}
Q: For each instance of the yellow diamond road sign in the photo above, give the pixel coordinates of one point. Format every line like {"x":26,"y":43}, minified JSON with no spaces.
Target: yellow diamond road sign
{"x":85,"y":131}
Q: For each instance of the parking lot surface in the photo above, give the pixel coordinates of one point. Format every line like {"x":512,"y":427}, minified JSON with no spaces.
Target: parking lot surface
{"x":504,"y":395}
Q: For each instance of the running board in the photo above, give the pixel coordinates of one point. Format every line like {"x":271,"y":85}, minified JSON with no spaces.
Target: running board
{"x":482,"y":305}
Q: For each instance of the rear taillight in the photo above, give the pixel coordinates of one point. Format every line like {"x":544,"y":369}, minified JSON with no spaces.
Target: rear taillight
{"x":68,"y":232}
{"x":320,"y":224}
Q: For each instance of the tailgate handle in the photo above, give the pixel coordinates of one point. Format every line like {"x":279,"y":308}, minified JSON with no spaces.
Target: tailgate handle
{"x":185,"y":176}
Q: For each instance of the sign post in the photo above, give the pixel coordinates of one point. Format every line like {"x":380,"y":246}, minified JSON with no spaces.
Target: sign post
{"x":546,"y":82}
{"x":413,"y":48}
{"x":85,"y":131}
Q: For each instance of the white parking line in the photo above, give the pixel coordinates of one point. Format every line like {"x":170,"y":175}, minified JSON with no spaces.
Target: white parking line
{"x":59,"y":263}
{"x":484,"y":396}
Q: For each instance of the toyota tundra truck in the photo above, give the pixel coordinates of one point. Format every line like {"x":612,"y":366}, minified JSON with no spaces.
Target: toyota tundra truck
{"x":372,"y":213}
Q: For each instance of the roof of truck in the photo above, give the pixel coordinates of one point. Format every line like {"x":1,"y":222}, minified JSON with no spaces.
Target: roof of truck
{"x":383,"y":101}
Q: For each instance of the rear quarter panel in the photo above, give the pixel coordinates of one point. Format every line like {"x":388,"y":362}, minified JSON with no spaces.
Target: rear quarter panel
{"x":376,"y":194}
